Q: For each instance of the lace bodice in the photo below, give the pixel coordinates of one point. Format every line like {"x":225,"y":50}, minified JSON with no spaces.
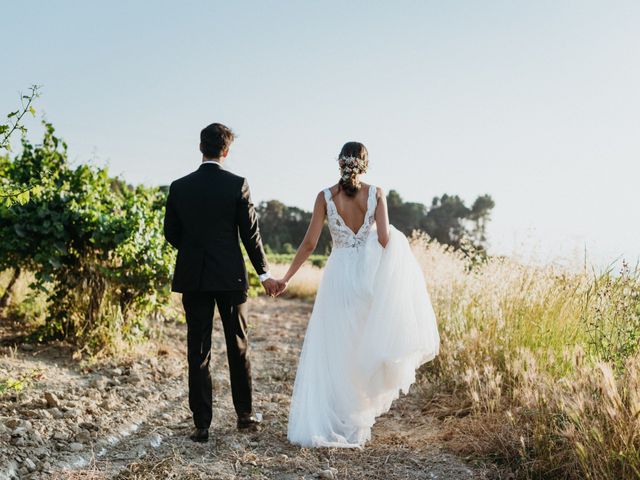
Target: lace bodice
{"x":341,"y":235}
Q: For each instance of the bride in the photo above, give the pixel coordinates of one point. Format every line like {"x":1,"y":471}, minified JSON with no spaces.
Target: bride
{"x":372,"y":323}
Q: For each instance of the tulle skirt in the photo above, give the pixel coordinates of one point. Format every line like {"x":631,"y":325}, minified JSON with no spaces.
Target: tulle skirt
{"x":371,"y":327}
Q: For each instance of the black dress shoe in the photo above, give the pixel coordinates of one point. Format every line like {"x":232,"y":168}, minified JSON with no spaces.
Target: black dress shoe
{"x":249,"y":423}
{"x":200,"y":435}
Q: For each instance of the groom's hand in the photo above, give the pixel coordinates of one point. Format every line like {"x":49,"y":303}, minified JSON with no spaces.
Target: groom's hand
{"x":270,"y":286}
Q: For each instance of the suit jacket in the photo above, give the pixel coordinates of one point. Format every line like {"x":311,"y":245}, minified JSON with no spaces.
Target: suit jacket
{"x":205,"y":212}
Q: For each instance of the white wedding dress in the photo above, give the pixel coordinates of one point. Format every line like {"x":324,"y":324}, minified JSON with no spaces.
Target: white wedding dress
{"x":372,"y":325}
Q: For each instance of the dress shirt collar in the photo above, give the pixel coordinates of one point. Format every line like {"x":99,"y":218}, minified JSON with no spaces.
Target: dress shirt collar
{"x":215,"y":162}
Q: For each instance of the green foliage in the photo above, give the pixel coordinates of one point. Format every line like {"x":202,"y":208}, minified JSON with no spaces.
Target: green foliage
{"x":16,"y":385}
{"x":94,"y":243}
{"x":286,"y":258}
{"x":612,"y":313}
{"x":11,"y":384}
{"x":14,"y":119}
{"x":21,"y":192}
{"x":255,"y":286}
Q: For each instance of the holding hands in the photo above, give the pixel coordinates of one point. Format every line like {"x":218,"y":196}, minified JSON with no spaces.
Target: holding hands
{"x":282,"y":286}
{"x":274,"y":287}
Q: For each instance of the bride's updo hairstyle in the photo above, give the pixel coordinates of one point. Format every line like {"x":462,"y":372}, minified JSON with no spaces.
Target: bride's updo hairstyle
{"x":353,"y":161}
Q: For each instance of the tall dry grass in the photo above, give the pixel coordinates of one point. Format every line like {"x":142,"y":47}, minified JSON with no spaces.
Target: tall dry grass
{"x":541,"y":363}
{"x":539,"y":369}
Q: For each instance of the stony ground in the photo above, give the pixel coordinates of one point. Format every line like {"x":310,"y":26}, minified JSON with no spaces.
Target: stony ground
{"x":129,"y":419}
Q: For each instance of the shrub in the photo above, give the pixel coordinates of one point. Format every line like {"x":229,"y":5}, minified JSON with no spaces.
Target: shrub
{"x":94,"y":243}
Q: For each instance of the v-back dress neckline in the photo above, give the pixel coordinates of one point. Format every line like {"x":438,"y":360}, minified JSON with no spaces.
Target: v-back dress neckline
{"x":367,"y":213}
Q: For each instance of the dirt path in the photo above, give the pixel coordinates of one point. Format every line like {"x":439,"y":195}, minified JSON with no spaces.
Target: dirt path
{"x":130,"y":421}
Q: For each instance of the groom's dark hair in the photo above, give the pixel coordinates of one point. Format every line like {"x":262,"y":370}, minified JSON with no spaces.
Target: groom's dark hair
{"x":215,"y":139}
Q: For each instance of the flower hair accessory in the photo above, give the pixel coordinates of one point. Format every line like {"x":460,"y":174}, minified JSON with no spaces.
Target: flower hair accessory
{"x":352,"y":166}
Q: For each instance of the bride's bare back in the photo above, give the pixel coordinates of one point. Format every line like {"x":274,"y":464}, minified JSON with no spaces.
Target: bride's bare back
{"x":351,"y":209}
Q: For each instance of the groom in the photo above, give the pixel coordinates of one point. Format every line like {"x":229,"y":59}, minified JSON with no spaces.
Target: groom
{"x":206,"y":212}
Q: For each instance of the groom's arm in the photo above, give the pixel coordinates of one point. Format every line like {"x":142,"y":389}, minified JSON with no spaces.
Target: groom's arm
{"x":247,"y":220}
{"x":172,"y":226}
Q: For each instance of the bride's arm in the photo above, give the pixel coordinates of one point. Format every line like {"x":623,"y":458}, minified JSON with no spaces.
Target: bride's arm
{"x":310,"y":240}
{"x":382,"y":218}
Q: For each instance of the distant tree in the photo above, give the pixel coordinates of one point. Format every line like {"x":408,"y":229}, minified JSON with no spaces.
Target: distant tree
{"x":283,"y":227}
{"x":448,"y":220}
{"x":445,"y":220}
{"x":274,"y":219}
{"x":405,"y":216}
{"x":480,"y":215}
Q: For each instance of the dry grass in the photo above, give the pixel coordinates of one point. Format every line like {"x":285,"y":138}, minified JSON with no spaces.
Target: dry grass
{"x":25,"y":304}
{"x":539,"y":368}
{"x":547,"y":361}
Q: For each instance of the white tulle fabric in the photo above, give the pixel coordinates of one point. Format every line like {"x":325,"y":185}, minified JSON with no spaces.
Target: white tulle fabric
{"x":372,"y":325}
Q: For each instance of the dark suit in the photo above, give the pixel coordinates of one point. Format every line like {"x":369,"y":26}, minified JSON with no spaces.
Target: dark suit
{"x":206,"y":213}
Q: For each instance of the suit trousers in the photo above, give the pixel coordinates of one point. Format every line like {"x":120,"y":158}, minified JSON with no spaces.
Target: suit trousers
{"x":199,"y":309}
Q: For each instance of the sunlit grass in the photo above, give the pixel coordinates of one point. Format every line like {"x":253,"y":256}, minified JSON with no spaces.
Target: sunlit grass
{"x":541,"y":359}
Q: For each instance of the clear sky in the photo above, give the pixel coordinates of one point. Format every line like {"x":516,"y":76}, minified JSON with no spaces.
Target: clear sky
{"x":534,"y":102}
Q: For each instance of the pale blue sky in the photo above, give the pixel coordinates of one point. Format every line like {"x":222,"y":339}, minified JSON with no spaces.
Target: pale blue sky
{"x":535,"y":102}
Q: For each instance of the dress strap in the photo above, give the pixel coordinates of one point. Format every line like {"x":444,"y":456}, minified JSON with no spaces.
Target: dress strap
{"x":372,"y":194}
{"x":329,"y":203}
